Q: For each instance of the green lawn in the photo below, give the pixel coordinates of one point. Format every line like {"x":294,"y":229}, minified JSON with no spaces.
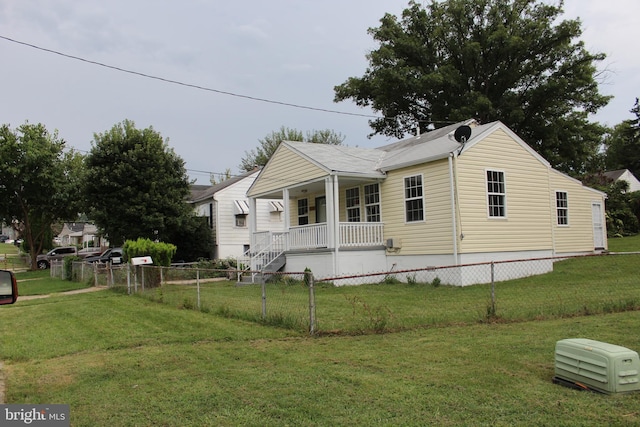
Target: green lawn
{"x":40,"y":282}
{"x":578,"y":286}
{"x":624,"y":244}
{"x":123,"y":361}
{"x":120,"y":360}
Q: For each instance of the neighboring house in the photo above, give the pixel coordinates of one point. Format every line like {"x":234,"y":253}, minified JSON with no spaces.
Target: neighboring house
{"x":226,"y":208}
{"x":8,"y":231}
{"x":624,"y":175}
{"x":424,"y":201}
{"x":81,"y":234}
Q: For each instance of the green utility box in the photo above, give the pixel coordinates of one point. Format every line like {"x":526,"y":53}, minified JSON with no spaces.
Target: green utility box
{"x":594,"y":365}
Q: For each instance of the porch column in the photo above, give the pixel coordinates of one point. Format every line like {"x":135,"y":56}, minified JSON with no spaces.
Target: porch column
{"x":287,"y":217}
{"x":331,"y":220}
{"x":253,"y":221}
{"x":336,"y":221}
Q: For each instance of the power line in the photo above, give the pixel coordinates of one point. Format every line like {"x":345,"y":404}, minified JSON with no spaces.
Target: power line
{"x":176,"y":82}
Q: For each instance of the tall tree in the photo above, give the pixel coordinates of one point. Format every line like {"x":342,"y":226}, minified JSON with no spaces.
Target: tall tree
{"x":507,"y":60}
{"x":39,"y":183}
{"x":623,"y":145}
{"x":261,"y":155}
{"x":136,"y":185}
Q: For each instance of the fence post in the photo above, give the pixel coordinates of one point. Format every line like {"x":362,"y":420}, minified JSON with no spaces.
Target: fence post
{"x":263,"y":283}
{"x":198,"y":286}
{"x":493,"y":290}
{"x":161,"y":276}
{"x":142,"y":277}
{"x":312,"y":302}
{"x":129,"y":279}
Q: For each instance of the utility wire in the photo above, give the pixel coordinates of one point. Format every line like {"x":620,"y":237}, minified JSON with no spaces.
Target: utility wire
{"x":149,"y":76}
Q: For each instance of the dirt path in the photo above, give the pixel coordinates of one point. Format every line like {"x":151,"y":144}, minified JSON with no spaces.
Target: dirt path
{"x":77,"y":291}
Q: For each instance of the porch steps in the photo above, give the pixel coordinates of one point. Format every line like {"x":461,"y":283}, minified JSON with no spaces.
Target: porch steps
{"x":275,"y":265}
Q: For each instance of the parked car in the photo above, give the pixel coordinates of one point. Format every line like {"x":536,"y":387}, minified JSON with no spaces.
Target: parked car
{"x":87,"y":252}
{"x":43,"y":261}
{"x":111,"y":255}
{"x":3,"y":238}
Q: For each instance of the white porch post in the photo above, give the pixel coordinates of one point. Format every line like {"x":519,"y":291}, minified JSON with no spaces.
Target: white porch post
{"x":253,"y":221}
{"x":287,"y":216}
{"x":331,"y":221}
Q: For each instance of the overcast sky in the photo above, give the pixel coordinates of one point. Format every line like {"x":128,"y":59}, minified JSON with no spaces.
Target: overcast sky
{"x":287,"y":51}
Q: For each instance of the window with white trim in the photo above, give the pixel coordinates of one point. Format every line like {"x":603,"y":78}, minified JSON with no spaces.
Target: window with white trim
{"x":413,"y":201}
{"x":372,"y":202}
{"x":496,"y":195}
{"x":241,"y":221}
{"x":353,"y":204}
{"x":303,"y":211}
{"x":562,"y":208}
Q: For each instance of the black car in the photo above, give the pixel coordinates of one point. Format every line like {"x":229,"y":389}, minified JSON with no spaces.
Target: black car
{"x":111,"y":255}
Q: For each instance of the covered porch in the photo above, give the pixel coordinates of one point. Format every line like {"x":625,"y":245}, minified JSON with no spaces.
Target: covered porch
{"x":330,"y":214}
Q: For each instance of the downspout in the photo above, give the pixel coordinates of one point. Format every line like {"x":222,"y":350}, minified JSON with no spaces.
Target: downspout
{"x":453,"y":209}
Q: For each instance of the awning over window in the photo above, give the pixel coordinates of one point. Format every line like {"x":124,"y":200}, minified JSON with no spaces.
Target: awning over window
{"x":240,"y":207}
{"x":276,"y":206}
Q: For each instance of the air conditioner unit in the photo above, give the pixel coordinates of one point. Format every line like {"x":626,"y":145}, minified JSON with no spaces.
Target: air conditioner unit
{"x":393,"y":243}
{"x":598,"y":366}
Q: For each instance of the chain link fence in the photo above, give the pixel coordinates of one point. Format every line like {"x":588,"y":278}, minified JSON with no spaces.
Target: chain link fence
{"x":519,"y":290}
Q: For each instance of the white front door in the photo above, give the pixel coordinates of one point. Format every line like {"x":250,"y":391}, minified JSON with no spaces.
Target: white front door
{"x":598,"y":225}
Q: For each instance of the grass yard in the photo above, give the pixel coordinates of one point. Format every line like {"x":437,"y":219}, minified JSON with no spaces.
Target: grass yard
{"x":39,"y":282}
{"x":122,"y":361}
{"x":624,"y":244}
{"x":578,"y":286}
{"x":119,"y":360}
{"x":10,"y":258}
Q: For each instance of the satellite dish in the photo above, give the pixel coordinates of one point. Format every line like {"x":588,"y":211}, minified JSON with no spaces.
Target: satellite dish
{"x":462,"y":134}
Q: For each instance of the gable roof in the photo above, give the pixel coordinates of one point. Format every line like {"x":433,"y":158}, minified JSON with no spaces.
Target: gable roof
{"x":441,"y":143}
{"x":614,"y":175}
{"x":210,"y":190}
{"x":374,"y":163}
{"x":340,"y":159}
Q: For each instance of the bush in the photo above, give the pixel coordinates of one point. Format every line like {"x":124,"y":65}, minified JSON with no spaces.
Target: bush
{"x":161,"y":253}
{"x":68,"y":266}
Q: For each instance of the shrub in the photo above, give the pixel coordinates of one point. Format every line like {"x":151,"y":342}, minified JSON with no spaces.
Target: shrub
{"x":68,"y":266}
{"x":161,"y":253}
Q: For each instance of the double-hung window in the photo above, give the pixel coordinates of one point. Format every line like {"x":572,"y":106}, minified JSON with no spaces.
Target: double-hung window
{"x":372,"y":202}
{"x":303,"y":211}
{"x":353,"y":204}
{"x":413,"y":199}
{"x":496,"y":195}
{"x":562,"y":208}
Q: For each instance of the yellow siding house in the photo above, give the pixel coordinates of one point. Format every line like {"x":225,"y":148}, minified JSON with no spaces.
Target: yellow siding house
{"x":461,"y":194}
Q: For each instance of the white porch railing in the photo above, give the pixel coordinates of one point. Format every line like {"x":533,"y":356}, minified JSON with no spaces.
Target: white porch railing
{"x":309,"y":236}
{"x":356,"y":234}
{"x":352,"y":235}
{"x":267,"y":245}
